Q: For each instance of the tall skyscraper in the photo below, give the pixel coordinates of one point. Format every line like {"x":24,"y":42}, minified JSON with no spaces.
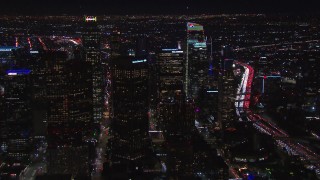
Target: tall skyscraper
{"x":174,"y":111}
{"x":16,"y":122}
{"x":68,"y":97}
{"x":197,"y":63}
{"x":170,"y":63}
{"x":91,"y":42}
{"x":129,"y":114}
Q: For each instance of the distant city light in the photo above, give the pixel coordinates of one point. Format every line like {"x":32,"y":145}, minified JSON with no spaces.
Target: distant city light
{"x":270,"y":76}
{"x":170,"y":49}
{"x":90,"y":18}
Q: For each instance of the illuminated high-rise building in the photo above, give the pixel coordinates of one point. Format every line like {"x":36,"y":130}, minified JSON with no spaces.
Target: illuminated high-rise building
{"x":16,"y":122}
{"x":170,"y":63}
{"x":197,"y":63}
{"x":175,"y":112}
{"x":129,"y":114}
{"x":67,"y":101}
{"x":91,"y":42}
{"x":227,"y":91}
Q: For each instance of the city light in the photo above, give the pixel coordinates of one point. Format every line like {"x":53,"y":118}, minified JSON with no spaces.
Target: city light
{"x":90,"y":18}
{"x":139,"y":61}
{"x":187,"y":95}
{"x":18,"y":72}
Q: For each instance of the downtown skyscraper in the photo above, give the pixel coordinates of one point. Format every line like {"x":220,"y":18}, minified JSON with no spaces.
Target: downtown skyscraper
{"x":16,"y":120}
{"x":170,"y":63}
{"x":197,"y":62}
{"x":129,"y":115}
{"x":175,"y":111}
{"x":91,"y":43}
{"x":68,"y":115}
{"x":16,"y":126}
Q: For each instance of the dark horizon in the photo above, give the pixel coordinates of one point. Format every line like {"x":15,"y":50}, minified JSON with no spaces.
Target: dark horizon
{"x":157,"y":7}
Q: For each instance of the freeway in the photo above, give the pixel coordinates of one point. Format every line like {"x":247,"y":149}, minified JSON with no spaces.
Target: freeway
{"x":278,"y":44}
{"x":244,"y":90}
{"x":306,"y":155}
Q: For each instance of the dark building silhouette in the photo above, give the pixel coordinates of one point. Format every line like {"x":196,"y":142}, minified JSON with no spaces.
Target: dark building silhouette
{"x":65,"y":93}
{"x":141,"y":49}
{"x":129,"y":114}
{"x":176,"y":116}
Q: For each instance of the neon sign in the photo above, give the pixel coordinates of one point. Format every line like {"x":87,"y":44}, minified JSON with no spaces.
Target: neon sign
{"x":170,"y":49}
{"x":194,"y":27}
{"x":139,"y":61}
{"x":177,"y":51}
{"x":34,"y":52}
{"x":212,"y":91}
{"x":7,"y":48}
{"x":18,"y":72}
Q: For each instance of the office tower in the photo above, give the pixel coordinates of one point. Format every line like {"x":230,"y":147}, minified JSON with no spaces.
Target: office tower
{"x":129,"y":114}
{"x":91,"y":43}
{"x":175,"y":112}
{"x":227,"y":92}
{"x":170,"y":63}
{"x":8,"y":58}
{"x":176,"y":116}
{"x":68,"y":98}
{"x":16,"y":119}
{"x":197,"y":63}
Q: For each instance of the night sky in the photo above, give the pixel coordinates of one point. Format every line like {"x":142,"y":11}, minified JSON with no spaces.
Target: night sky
{"x":74,"y":7}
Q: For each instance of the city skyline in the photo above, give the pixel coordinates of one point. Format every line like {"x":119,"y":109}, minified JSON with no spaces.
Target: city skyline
{"x":229,"y":96}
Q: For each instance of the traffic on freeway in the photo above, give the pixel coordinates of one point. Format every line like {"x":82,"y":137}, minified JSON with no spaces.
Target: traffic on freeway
{"x":291,"y":147}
